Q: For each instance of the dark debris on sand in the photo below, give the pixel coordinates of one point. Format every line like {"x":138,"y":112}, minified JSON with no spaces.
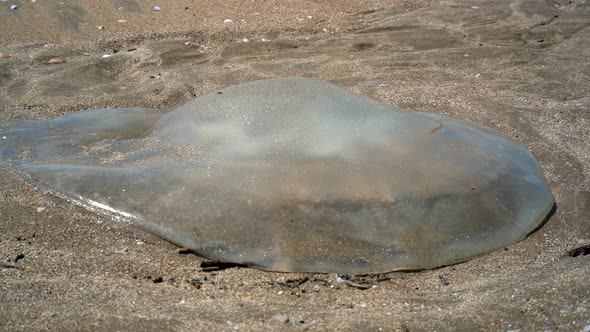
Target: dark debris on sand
{"x":580,"y":251}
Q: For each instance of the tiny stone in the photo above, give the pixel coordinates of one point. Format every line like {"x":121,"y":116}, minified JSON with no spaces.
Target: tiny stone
{"x":444,"y":280}
{"x":158,"y":280}
{"x":245,"y":40}
{"x":196,"y":283}
{"x":100,"y":27}
{"x":283,"y":319}
{"x":19,"y":257}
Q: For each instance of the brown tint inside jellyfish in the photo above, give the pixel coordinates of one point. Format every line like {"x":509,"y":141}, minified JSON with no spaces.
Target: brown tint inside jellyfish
{"x":293,"y":174}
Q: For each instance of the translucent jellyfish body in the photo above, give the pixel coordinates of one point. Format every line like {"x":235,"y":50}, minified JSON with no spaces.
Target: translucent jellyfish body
{"x":293,"y":174}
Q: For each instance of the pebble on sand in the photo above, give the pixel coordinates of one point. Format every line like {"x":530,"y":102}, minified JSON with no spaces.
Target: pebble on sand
{"x":56,"y":61}
{"x":157,"y":9}
{"x":281,"y":318}
{"x":14,"y":7}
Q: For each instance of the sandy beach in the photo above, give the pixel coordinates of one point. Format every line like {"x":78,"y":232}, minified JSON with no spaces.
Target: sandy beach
{"x":521,"y":67}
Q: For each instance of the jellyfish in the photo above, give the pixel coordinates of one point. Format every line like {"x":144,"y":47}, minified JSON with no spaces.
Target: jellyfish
{"x":292,"y":174}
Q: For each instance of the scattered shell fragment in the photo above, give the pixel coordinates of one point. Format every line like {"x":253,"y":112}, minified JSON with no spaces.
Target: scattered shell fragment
{"x":56,"y":61}
{"x":157,"y":9}
{"x":13,"y":7}
{"x":228,"y":20}
{"x":122,"y":21}
{"x":40,"y":209}
{"x":104,"y":56}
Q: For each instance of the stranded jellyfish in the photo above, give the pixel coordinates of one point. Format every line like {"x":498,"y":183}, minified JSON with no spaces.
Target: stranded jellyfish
{"x":293,"y":174}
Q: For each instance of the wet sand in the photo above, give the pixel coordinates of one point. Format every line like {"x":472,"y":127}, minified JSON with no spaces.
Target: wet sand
{"x":521,"y":67}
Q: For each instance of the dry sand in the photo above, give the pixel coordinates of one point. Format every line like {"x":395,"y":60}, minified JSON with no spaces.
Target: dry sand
{"x":521,"y":67}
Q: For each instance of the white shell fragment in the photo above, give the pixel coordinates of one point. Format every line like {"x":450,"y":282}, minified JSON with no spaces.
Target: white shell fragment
{"x":294,"y":174}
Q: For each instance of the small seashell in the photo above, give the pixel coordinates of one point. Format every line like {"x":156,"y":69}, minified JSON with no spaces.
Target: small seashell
{"x":228,"y":20}
{"x":157,"y":9}
{"x":56,"y":61}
